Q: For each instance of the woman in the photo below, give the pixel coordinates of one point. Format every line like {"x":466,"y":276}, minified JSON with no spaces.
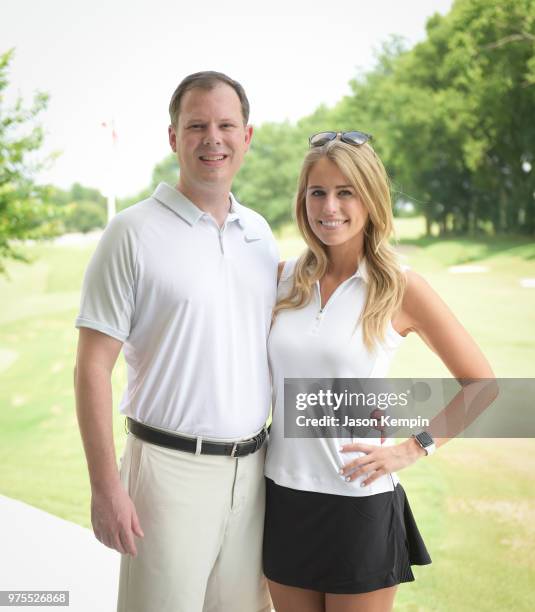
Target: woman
{"x":339,"y":533}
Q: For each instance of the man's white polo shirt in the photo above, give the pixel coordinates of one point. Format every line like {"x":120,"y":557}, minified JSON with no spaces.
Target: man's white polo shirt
{"x":192,"y":304}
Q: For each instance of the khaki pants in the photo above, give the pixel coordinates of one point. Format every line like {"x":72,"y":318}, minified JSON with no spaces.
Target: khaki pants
{"x":203,"y":519}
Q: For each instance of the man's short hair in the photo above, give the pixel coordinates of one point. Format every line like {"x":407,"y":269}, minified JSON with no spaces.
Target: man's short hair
{"x":208,"y":79}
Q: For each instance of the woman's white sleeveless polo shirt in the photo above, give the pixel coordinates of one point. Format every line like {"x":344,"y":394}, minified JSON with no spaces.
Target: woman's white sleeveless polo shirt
{"x":311,"y":342}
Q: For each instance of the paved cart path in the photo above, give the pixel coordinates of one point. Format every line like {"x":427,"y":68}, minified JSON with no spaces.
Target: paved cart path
{"x":41,"y":551}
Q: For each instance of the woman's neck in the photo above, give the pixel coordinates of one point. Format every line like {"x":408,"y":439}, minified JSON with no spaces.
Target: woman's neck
{"x":343,"y":260}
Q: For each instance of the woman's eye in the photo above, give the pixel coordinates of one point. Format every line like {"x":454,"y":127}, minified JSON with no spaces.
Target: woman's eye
{"x":317,"y":193}
{"x":345,"y":193}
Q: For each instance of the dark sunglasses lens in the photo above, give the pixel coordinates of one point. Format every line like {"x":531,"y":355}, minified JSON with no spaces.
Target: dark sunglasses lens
{"x":320,"y":139}
{"x":357,"y":137}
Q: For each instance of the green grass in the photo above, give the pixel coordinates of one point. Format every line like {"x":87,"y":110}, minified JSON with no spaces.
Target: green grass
{"x":474,"y":503}
{"x":474,"y":500}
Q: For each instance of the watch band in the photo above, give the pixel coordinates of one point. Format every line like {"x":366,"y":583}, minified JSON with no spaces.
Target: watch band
{"x":425,"y":440}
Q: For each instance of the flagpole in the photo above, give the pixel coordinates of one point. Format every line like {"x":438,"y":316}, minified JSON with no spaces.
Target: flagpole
{"x":111,"y":199}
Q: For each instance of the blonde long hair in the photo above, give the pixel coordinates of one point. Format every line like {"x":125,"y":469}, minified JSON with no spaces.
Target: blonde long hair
{"x":386,"y":281}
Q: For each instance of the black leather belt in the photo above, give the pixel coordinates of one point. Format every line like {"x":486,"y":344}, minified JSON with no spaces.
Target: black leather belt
{"x":178,"y":442}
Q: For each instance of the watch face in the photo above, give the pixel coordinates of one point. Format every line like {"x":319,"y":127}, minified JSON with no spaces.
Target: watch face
{"x":424,"y":439}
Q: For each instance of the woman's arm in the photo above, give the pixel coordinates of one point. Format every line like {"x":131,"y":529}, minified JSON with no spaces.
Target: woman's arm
{"x":424,"y":313}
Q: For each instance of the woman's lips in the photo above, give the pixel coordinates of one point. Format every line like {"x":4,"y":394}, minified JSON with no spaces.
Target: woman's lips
{"x":332,"y":224}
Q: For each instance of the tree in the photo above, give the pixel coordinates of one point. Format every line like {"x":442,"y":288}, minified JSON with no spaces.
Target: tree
{"x":24,"y":213}
{"x":453,"y":116}
{"x":84,"y":216}
{"x":268,"y":178}
{"x":480,"y":61}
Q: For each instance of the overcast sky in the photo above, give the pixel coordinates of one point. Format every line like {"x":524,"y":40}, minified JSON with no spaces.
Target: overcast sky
{"x":123,"y":58}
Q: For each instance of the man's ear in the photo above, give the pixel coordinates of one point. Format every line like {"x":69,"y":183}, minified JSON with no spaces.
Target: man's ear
{"x":248,"y":136}
{"x":172,"y":138}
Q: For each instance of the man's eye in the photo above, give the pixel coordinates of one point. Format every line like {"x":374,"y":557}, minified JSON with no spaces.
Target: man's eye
{"x":195,"y":126}
{"x":228,"y":125}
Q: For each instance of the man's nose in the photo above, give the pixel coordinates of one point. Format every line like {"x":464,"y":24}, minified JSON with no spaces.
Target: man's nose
{"x":212,"y":136}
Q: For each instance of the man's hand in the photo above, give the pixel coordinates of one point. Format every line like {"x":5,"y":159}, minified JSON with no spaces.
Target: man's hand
{"x":114,"y":519}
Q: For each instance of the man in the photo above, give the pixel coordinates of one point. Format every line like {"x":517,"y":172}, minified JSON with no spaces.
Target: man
{"x":184,"y":282}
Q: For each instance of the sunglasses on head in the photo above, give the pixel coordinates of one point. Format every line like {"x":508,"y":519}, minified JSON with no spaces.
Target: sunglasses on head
{"x":352,"y":138}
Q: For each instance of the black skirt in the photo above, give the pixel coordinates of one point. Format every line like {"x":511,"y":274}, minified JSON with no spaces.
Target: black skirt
{"x":339,"y":544}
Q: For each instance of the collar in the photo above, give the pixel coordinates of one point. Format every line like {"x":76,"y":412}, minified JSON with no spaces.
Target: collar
{"x":187,"y":210}
{"x":178,"y":203}
{"x":362,"y":271}
{"x":238,"y":213}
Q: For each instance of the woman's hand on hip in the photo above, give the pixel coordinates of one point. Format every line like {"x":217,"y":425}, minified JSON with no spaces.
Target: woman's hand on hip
{"x":379,"y":460}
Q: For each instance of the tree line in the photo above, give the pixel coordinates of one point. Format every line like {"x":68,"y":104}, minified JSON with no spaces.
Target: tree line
{"x":452,"y":119}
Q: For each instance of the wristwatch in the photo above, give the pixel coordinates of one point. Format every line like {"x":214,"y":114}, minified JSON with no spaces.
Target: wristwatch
{"x":425,"y":440}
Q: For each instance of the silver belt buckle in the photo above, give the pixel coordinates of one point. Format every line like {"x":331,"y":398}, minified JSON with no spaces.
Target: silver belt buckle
{"x":234,"y":447}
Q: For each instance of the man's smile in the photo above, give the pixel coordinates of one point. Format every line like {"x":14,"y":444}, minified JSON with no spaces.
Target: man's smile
{"x":214,"y":159}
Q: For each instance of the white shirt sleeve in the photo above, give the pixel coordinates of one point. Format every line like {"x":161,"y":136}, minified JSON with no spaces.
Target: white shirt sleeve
{"x":108,"y":294}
